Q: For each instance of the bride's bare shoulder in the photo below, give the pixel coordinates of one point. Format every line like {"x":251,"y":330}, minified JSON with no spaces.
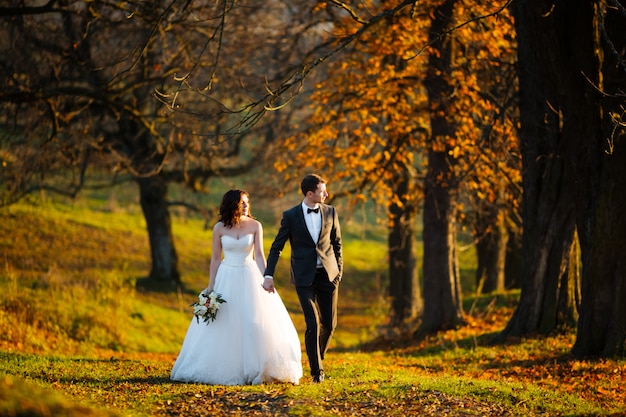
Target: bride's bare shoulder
{"x":219,"y":227}
{"x":251,"y":225}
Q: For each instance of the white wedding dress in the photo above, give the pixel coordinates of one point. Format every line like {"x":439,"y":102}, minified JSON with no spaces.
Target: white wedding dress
{"x":252,"y":339}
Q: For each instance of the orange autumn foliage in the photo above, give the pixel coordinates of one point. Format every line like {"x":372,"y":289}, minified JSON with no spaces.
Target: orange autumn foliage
{"x":370,"y":115}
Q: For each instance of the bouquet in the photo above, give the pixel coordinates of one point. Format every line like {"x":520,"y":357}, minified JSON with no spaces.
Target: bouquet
{"x":207,"y":306}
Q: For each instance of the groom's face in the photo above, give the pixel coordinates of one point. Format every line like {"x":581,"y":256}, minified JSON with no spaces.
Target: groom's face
{"x":320,"y":194}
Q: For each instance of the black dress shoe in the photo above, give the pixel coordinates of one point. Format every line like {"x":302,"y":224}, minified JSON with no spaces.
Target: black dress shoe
{"x":319,"y":377}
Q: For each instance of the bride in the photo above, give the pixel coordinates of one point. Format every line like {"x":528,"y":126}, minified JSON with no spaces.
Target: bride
{"x":252,"y":339}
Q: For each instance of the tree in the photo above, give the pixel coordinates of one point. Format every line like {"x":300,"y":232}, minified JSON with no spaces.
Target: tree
{"x":404,"y":286}
{"x":92,"y":77}
{"x":571,"y":77}
{"x":600,"y":202}
{"x":471,"y":141}
{"x":442,"y":282}
{"x":556,"y":108}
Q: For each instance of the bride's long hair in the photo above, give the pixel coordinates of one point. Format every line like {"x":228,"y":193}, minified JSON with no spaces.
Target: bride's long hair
{"x":230,"y":209}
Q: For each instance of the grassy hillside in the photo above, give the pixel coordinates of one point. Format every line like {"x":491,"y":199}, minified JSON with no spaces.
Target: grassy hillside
{"x":70,"y":279}
{"x":78,"y":336}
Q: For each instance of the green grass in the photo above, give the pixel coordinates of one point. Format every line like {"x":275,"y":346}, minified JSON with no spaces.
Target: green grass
{"x":141,"y":387}
{"x":79,"y":337}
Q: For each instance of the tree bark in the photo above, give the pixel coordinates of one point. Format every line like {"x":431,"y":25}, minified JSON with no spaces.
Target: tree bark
{"x":442,"y":289}
{"x":602,"y":324}
{"x":568,"y":310}
{"x":153,"y":193}
{"x":404,"y":290}
{"x":513,"y":262}
{"x":547,"y":210}
{"x":602,"y":201}
{"x":491,"y":251}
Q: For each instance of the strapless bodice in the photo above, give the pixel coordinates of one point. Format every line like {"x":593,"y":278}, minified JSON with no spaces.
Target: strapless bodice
{"x":237,"y":252}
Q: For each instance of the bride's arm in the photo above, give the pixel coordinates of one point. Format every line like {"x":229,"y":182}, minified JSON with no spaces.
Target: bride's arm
{"x":259,"y":254}
{"x":216,"y":255}
{"x":259,"y":257}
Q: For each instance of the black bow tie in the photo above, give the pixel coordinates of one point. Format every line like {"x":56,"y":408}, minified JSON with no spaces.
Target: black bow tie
{"x":310,"y":210}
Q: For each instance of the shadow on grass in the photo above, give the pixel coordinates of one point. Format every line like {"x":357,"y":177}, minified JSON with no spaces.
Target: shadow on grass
{"x":435,"y":343}
{"x":150,"y":285}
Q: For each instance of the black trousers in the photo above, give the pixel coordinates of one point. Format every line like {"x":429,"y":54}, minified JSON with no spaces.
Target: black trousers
{"x":319,"y":305}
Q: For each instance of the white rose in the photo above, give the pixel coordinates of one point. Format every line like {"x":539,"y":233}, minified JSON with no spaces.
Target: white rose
{"x":202,"y":299}
{"x":199,"y":310}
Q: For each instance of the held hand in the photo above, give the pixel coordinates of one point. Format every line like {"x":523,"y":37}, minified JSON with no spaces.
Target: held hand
{"x":268,"y":285}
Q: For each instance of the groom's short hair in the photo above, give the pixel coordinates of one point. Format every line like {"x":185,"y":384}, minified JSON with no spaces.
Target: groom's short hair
{"x":310,"y":182}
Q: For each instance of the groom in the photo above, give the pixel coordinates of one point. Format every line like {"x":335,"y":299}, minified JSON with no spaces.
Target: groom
{"x":312,"y":229}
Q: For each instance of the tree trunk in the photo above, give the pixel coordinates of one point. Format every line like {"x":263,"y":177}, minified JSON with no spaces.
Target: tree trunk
{"x":602,"y":201}
{"x":404,"y":290}
{"x":153,"y":192}
{"x":602,"y":324}
{"x":491,"y":252}
{"x":568,"y":310}
{"x":442,"y":289}
{"x":547,"y":209}
{"x":513,"y":262}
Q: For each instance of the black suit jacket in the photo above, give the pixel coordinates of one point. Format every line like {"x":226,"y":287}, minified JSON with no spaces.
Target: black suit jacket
{"x":304,"y":251}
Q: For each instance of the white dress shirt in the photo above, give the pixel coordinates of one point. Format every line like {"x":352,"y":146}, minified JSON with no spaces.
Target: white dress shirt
{"x":313,"y":223}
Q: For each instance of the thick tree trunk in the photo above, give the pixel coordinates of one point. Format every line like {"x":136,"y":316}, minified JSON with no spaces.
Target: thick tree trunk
{"x":546,"y":244}
{"x":602,"y":324}
{"x":153,"y":193}
{"x":404,"y":290}
{"x":547,"y":210}
{"x":602,"y":201}
{"x":442,"y":289}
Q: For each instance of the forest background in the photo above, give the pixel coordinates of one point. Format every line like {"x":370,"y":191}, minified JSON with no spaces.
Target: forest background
{"x":494,"y":125}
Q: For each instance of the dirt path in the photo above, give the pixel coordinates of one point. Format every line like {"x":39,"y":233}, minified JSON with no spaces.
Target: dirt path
{"x":413,"y":403}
